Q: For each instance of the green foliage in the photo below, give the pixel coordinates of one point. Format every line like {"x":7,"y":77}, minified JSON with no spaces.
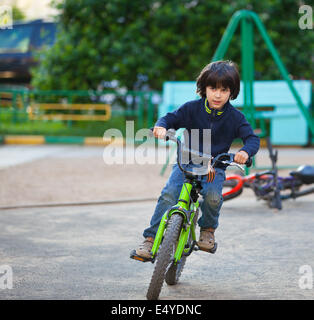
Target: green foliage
{"x":17,"y":14}
{"x":144,"y":43}
{"x":56,"y":128}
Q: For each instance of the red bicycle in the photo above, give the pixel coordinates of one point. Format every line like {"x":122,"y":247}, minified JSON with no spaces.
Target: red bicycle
{"x":268,"y":186}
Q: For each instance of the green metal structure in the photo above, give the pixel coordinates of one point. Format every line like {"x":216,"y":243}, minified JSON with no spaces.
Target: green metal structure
{"x":247,"y":19}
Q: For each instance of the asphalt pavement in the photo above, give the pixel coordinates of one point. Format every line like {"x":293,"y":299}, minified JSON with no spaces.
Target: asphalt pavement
{"x":82,"y":252}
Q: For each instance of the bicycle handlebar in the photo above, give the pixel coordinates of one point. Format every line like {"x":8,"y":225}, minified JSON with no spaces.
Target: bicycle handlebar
{"x":230,"y":159}
{"x":224,"y":158}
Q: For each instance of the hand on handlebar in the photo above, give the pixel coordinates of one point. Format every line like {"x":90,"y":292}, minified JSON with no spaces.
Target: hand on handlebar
{"x":159,"y":132}
{"x":241,"y":157}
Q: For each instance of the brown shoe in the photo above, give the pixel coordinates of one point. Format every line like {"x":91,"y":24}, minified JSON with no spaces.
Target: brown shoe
{"x":145,"y":248}
{"x":207,"y":239}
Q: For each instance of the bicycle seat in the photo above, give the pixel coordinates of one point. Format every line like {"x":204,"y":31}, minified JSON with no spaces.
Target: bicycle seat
{"x":304,"y":173}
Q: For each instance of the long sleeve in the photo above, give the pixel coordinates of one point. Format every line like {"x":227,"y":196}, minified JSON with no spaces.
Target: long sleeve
{"x":250,"y":140}
{"x":176,"y":119}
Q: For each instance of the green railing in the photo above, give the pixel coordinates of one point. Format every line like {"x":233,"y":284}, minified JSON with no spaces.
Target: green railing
{"x":16,"y":106}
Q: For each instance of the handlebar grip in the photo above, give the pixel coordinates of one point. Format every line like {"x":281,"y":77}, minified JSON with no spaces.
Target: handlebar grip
{"x":249,"y":161}
{"x":167,"y":136}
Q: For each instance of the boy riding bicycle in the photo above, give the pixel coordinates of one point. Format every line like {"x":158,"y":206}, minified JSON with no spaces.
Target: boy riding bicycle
{"x":217,"y":83}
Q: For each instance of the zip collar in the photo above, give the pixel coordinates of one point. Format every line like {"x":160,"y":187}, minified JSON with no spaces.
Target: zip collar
{"x":214,"y":112}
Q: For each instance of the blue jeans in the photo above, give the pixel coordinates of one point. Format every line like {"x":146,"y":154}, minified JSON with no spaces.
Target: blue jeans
{"x":210,"y":206}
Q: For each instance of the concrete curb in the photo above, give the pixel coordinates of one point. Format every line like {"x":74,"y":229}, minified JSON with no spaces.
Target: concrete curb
{"x":71,"y":204}
{"x":91,"y":141}
{"x":37,"y":139}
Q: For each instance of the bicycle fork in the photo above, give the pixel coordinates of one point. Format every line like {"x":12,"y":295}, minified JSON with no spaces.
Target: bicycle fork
{"x":187,"y":210}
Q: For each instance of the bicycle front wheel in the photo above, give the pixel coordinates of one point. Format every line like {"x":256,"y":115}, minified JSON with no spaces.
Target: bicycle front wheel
{"x":232,"y":187}
{"x":165,"y":256}
{"x":174,"y":272}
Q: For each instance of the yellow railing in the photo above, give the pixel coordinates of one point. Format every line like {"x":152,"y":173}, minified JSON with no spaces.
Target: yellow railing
{"x":6,"y":100}
{"x":35,"y":111}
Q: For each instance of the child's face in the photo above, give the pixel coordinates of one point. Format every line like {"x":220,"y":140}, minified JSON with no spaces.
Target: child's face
{"x":217,"y":97}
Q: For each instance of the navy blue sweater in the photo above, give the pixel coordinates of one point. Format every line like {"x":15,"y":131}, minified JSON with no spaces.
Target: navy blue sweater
{"x":226,"y":127}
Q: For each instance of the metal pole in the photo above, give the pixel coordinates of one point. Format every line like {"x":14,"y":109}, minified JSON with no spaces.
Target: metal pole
{"x":150,"y":115}
{"x":248,"y":69}
{"x":247,"y":63}
{"x":283,"y":70}
{"x":227,"y":36}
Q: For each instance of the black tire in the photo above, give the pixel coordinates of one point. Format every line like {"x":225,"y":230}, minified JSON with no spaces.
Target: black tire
{"x":231,"y":183}
{"x":164,"y":256}
{"x":174,"y":272}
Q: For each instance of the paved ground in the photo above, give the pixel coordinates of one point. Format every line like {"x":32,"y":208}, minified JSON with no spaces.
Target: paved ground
{"x":82,"y":252}
{"x":60,"y":173}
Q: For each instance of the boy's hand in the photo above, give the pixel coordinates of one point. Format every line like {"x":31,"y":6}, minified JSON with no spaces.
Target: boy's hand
{"x":159,"y":132}
{"x":241,"y":157}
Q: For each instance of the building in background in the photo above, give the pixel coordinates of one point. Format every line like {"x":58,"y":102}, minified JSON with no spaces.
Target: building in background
{"x":19,"y":42}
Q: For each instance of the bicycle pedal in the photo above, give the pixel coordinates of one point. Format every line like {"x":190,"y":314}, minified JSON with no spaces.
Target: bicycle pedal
{"x":134,"y":256}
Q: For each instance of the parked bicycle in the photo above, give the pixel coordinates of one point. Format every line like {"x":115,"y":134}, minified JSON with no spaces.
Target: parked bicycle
{"x":268,"y":186}
{"x":176,"y":239}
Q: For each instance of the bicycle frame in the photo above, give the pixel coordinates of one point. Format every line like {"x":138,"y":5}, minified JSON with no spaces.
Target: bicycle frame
{"x":187,"y":205}
{"x":270,"y":185}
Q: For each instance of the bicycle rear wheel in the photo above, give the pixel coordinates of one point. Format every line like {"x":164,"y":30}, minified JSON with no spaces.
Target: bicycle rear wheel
{"x":165,"y":256}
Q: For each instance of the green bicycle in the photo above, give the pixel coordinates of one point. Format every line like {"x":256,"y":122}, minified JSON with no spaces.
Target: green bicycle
{"x":176,"y":239}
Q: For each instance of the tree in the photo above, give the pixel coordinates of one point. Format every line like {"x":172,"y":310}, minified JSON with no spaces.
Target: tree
{"x":144,"y":43}
{"x":17,"y":14}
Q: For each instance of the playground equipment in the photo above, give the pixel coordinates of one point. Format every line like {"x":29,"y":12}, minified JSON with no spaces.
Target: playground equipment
{"x":273,"y":101}
{"x":248,"y":19}
{"x":285,"y":103}
{"x":36,"y":111}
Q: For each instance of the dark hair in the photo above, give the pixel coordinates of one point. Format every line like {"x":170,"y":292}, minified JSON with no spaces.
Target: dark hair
{"x":219,"y":74}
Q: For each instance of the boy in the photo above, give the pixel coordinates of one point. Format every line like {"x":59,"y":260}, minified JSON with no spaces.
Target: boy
{"x":217,"y":83}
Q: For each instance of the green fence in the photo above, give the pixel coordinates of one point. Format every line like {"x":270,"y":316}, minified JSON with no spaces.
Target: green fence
{"x":74,"y":112}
